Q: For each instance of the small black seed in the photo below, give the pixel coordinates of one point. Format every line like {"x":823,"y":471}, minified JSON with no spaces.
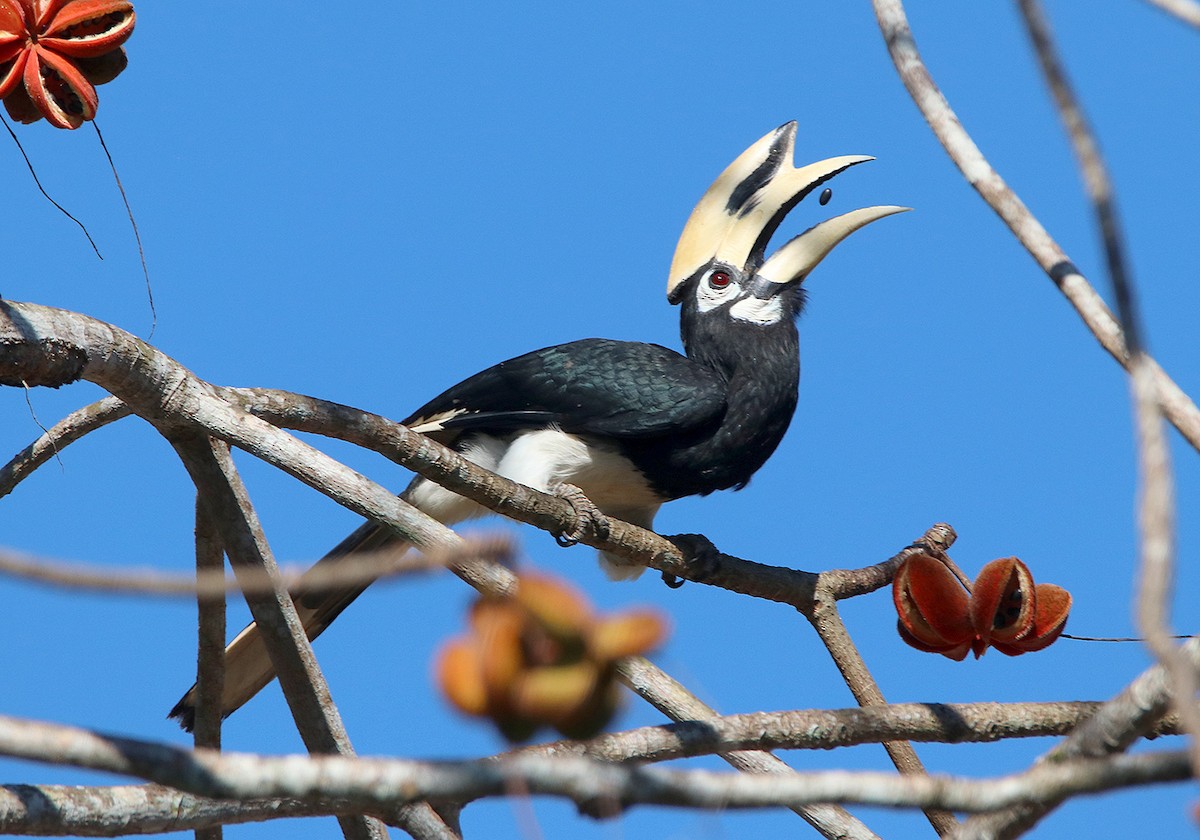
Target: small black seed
{"x":826,"y":194}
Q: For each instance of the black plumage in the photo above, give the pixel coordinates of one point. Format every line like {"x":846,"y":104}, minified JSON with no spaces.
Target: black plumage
{"x":594,"y":386}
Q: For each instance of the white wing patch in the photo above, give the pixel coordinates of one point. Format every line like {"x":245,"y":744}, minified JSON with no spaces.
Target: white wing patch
{"x":758,"y":310}
{"x":436,"y":422}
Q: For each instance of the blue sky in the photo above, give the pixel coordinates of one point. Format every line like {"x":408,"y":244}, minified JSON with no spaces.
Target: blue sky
{"x":371,"y":205}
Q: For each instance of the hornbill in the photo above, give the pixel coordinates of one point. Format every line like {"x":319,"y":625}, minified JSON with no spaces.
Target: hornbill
{"x":628,"y":424}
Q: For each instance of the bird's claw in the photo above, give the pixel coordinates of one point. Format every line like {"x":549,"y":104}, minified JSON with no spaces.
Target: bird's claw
{"x":588,"y":517}
{"x":701,"y":556}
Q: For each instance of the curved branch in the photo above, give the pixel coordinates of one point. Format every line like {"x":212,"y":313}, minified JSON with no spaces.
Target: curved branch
{"x":66,"y":431}
{"x":1156,"y":514}
{"x":48,"y":346}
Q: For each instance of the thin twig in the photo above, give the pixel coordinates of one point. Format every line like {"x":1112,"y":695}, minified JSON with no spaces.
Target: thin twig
{"x":1074,"y":638}
{"x":45,"y":432}
{"x":42,"y":189}
{"x":359,"y":568}
{"x":137,"y":236}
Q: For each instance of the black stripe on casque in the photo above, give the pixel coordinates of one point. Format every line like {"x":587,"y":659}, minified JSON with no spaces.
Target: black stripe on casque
{"x":758,"y":253}
{"x":741,"y":199}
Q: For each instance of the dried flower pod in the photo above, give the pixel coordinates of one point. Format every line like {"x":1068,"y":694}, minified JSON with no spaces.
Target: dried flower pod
{"x":1004,"y":610}
{"x":1051,"y":609}
{"x":1002,"y":603}
{"x":932,"y":607}
{"x":627,"y":634}
{"x":542,"y":658}
{"x":560,"y":609}
{"x":54,"y":52}
{"x":460,"y":677}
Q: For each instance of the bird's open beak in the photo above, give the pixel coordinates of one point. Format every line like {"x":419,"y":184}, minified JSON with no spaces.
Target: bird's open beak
{"x":735,"y":219}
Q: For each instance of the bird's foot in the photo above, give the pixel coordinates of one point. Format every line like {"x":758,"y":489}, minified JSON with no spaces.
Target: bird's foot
{"x":701,"y":556}
{"x":588,"y":517}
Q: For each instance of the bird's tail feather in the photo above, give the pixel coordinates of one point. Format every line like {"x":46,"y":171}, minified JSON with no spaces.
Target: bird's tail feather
{"x":248,"y":668}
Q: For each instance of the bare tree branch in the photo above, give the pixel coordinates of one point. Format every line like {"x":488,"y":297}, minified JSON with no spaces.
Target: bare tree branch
{"x":933,"y":105}
{"x":359,"y":568}
{"x":827,"y":621}
{"x":189,"y":401}
{"x":122,"y":810}
{"x":118,"y":811}
{"x":46,"y":346}
{"x":1157,"y":503}
{"x":54,"y":346}
{"x":1176,"y":405}
{"x":376,"y":785}
{"x":210,"y":647}
{"x":169,"y":396}
{"x":677,"y":703}
{"x":225,"y":499}
{"x":807,"y":729}
{"x":1114,"y":727}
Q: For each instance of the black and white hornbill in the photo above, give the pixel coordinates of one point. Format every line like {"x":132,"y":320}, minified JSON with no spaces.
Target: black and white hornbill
{"x":632,"y":425}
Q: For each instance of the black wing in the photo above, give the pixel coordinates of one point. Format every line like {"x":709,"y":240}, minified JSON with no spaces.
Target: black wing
{"x":618,"y":389}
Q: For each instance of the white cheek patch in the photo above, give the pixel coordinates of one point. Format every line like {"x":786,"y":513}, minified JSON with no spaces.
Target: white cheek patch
{"x":758,"y":310}
{"x":708,"y":298}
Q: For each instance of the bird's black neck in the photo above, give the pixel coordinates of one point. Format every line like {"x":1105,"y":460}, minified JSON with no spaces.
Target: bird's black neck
{"x":761,"y":367}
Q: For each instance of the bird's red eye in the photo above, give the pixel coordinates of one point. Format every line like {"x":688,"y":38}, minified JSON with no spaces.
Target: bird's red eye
{"x":718,"y":279}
